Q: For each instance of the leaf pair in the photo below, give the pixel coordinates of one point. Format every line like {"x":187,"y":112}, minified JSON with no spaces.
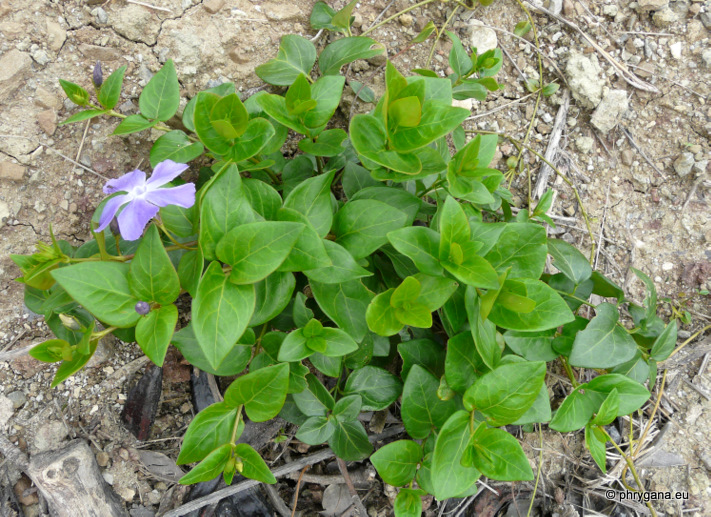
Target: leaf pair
{"x":314,"y":337}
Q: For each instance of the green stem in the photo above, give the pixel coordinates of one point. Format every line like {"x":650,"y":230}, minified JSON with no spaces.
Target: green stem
{"x":319,"y":165}
{"x":439,"y":35}
{"x":99,"y":335}
{"x":569,"y":371}
{"x":238,"y":419}
{"x":538,"y":471}
{"x":172,"y":239}
{"x":386,"y":20}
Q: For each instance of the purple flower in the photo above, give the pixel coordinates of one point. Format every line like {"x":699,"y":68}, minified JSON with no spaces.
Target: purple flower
{"x":142,"y":198}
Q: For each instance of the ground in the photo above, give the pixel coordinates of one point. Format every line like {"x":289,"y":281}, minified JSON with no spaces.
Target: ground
{"x":642,"y":175}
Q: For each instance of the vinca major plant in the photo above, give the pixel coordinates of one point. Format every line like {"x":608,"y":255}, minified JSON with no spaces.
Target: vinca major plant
{"x":380,"y":266}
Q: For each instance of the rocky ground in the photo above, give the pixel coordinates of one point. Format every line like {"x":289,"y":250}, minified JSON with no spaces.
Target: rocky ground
{"x":637,"y":150}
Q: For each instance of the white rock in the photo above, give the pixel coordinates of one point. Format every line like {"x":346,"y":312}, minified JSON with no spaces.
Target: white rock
{"x":482,"y":38}
{"x":466,"y":104}
{"x":683,"y":164}
{"x":584,"y":79}
{"x":706,"y":56}
{"x":610,"y":110}
{"x":6,"y":408}
{"x":675,"y":49}
{"x":653,"y":5}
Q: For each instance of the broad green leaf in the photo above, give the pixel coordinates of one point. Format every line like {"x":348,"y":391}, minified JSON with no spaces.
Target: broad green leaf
{"x":275,"y":107}
{"x":211,"y":467}
{"x":423,"y":352}
{"x":350,"y":441}
{"x":110,"y":90}
{"x":596,"y":446}
{"x":415,"y":315}
{"x":363,"y":92}
{"x":296,"y":56}
{"x":77,"y":362}
{"x":404,"y":112}
{"x":327,"y":93}
{"x":102,"y":288}
{"x":603,"y":286}
{"x":551,"y":310}
{"x":255,"y":250}
{"x":421,"y":245}
{"x":499,"y":456}
{"x":422,"y":411}
{"x":221,"y":311}
{"x":178,"y":220}
{"x":82,"y":115}
{"x":408,"y":502}
{"x":348,"y":408}
{"x":506,"y":393}
{"x":533,"y":346}
{"x":438,"y":119}
{"x":75,"y":93}
{"x":407,"y":291}
{"x":632,"y":394}
{"x":338,"y":343}
{"x":346,"y":50}
{"x":368,"y":137}
{"x":175,"y":146}
{"x":272,"y":295}
{"x":152,"y":277}
{"x":264,"y":199}
{"x":395,"y":197}
{"x":453,"y":227}
{"x":608,"y":410}
{"x":189,"y":112}
{"x":210,"y":428}
{"x":229,"y":117}
{"x":309,"y":251}
{"x":603,"y":343}
{"x":258,"y":133}
{"x":459,"y":59}
{"x":434,"y":290}
{"x":569,"y":261}
{"x":362,"y":226}
{"x":342,"y":19}
{"x":574,"y":412}
{"x":449,"y":477}
{"x":355,"y":179}
{"x":234,"y":362}
{"x":313,"y":199}
{"x":262,"y":392}
{"x":665,"y":343}
{"x":315,"y":400}
{"x":253,"y":466}
{"x":322,"y":17}
{"x":133,"y":124}
{"x":344,"y":303}
{"x":190,"y":270}
{"x":469,"y":268}
{"x":397,"y":461}
{"x":521,"y":247}
{"x":636,"y":368}
{"x":377,"y":387}
{"x":328,"y":143}
{"x":650,"y":300}
{"x":155,"y":330}
{"x":294,"y":347}
{"x":207,"y":133}
{"x":463,"y":364}
{"x":223,"y":206}
{"x":344,"y":268}
{"x":316,"y":430}
{"x":381,"y":316}
{"x":539,"y":412}
{"x":49,"y":351}
{"x":160,"y":98}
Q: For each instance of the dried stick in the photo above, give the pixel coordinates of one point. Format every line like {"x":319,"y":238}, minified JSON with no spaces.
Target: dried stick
{"x":354,"y":494}
{"x":552,"y":148}
{"x":298,"y":488}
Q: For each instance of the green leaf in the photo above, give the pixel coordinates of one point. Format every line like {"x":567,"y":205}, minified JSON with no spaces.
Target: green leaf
{"x":229,"y":117}
{"x":404,"y":112}
{"x":160,"y":98}
{"x":272,"y":295}
{"x":264,"y":199}
{"x":255,"y":250}
{"x":608,"y":410}
{"x":532,"y":346}
{"x":296,"y":56}
{"x":327,"y":93}
{"x":253,"y":466}
{"x":133,"y":124}
{"x":368,"y":137}
{"x":356,"y":178}
{"x":350,"y":441}
{"x":262,"y":392}
{"x":574,"y":412}
{"x":469,"y":268}
{"x":102,"y":288}
{"x":632,"y":394}
{"x":421,"y":245}
{"x":342,"y":19}
{"x":423,"y":352}
{"x":453,"y":227}
{"x":596,"y":446}
{"x":603,"y":343}
{"x":313,"y":199}
{"x":603,"y":286}
{"x":322,"y":17}
{"x":551,"y":310}
{"x":395,"y":197}
{"x":82,"y":115}
{"x":155,"y":330}
{"x":223,"y":206}
{"x":49,"y":351}
{"x":438,"y":119}
{"x":539,"y":412}
{"x":363,"y":92}
{"x":346,"y":50}
{"x":75,"y":93}
{"x":344,"y":303}
{"x":422,"y":411}
{"x":77,"y":362}
{"x":459,"y":59}
{"x":294,"y":347}
{"x":316,"y":430}
{"x":220,"y":313}
{"x":207,"y":133}
{"x":258,"y":133}
{"x":111,"y":89}
{"x":381,"y":316}
{"x":309,"y":251}
{"x":522,"y":28}
{"x":521,"y":247}
{"x":344,"y":268}
{"x":348,"y":408}
{"x":506,"y":393}
{"x":190,"y":270}
{"x":338,"y":343}
{"x":362,"y":226}
{"x":328,"y":143}
{"x":650,"y":300}
{"x":449,"y":477}
{"x":463,"y":364}
{"x":408,"y":502}
{"x":175,"y":146}
{"x":569,"y":261}
{"x":397,"y":461}
{"x":210,"y":467}
{"x":315,"y":400}
{"x":407,"y":291}
{"x":178,"y":220}
{"x":499,"y":456}
{"x":377,"y":387}
{"x":152,"y":277}
{"x":210,"y":428}
{"x":665,"y":343}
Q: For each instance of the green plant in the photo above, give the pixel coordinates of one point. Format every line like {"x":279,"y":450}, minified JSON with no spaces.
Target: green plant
{"x":385,"y":257}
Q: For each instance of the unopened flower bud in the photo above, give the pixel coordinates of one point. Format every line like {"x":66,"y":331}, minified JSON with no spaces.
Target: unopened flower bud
{"x":114,"y":227}
{"x":98,"y":76}
{"x":143,"y":308}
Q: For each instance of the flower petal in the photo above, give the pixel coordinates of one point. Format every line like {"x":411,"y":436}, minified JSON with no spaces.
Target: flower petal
{"x":165,"y":172}
{"x":183,"y":195}
{"x":133,"y":219}
{"x":126,"y":182}
{"x":110,"y":208}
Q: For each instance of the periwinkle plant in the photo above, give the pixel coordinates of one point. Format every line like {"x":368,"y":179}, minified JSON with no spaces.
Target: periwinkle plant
{"x":384,"y":257}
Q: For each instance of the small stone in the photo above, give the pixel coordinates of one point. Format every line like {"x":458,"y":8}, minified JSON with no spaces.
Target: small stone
{"x":6,"y":410}
{"x":47,"y":120}
{"x":652,"y":5}
{"x":406,"y":20}
{"x":584,"y":78}
{"x":12,"y":171}
{"x":675,"y":49}
{"x":665,"y":17}
{"x":569,"y":211}
{"x":213,"y":6}
{"x":47,"y":99}
{"x":21,"y":491}
{"x":700,"y":167}
{"x":467,"y":104}
{"x":13,"y":67}
{"x":482,"y":38}
{"x":100,"y":15}
{"x":683,"y":164}
{"x":108,"y":477}
{"x":706,"y":56}
{"x":627,"y":157}
{"x":102,"y":458}
{"x":610,"y":110}
{"x":40,"y":56}
{"x":706,"y":20}
{"x":98,"y":53}
{"x":56,"y":36}
{"x":584,"y":144}
{"x":357,"y":20}
{"x":283,"y":11}
{"x":18,"y":398}
{"x":610,"y":10}
{"x":693,"y":149}
{"x":378,"y":60}
{"x":126,"y":494}
{"x":238,"y":56}
{"x":49,"y":436}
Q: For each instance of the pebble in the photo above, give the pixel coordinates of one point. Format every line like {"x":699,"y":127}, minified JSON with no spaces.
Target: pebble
{"x":108,"y":477}
{"x":47,"y":121}
{"x":12,"y":171}
{"x":627,"y":157}
{"x":56,"y":36}
{"x":100,"y":15}
{"x":6,"y":410}
{"x":584,"y":78}
{"x":706,"y":56}
{"x":610,"y":110}
{"x":49,"y":436}
{"x":683,"y":164}
{"x":406,"y":20}
{"x":18,"y":398}
{"x":102,"y":458}
{"x":482,"y":38}
{"x":675,"y":49}
{"x":213,"y":6}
